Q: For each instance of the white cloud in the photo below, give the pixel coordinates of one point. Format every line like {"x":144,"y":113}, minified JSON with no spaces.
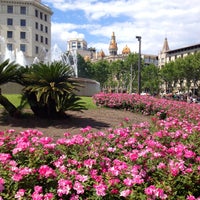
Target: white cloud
{"x":62,"y":32}
{"x":154,"y":20}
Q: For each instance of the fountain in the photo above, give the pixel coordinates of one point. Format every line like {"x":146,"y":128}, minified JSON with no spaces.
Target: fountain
{"x":13,"y":55}
{"x":90,"y":87}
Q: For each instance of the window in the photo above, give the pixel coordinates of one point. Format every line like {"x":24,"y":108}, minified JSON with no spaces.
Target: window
{"x":9,"y":9}
{"x":23,"y":47}
{"x":36,"y":37}
{"x":9,"y":46}
{"x":41,"y":27}
{"x":41,"y":15}
{"x":45,"y":17}
{"x":36,"y":49}
{"x":36,"y":25}
{"x":46,"y":40}
{"x":9,"y":34}
{"x":23,"y":22}
{"x":73,"y":45}
{"x":23,"y":10}
{"x":36,"y":13}
{"x":9,"y":21}
{"x":41,"y":39}
{"x":22,"y":35}
{"x":79,"y":45}
{"x":46,"y":29}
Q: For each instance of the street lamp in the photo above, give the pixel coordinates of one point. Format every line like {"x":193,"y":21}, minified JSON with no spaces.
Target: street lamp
{"x":139,"y":65}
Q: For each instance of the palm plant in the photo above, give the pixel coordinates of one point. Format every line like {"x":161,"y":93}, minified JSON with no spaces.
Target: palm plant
{"x":49,"y":89}
{"x":8,"y":74}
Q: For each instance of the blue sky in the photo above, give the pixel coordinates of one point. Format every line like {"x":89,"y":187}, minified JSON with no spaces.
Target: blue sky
{"x":153,"y":20}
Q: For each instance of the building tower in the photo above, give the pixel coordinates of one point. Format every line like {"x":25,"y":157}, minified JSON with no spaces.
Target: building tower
{"x":126,"y":50}
{"x":76,"y":44}
{"x":163,"y":54}
{"x":113,"y":46}
{"x":25,"y":26}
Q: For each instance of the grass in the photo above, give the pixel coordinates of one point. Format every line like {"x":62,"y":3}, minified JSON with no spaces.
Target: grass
{"x":89,"y":104}
{"x":16,"y":98}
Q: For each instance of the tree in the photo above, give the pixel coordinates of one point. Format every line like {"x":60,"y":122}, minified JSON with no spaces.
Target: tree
{"x":49,"y":89}
{"x":131,"y":64}
{"x":116,"y":76}
{"x":84,"y":68}
{"x":151,"y":79}
{"x":8,"y":72}
{"x":188,"y":71}
{"x":179,"y":72}
{"x":167,"y":74}
{"x":100,"y":72}
{"x":196,"y":69}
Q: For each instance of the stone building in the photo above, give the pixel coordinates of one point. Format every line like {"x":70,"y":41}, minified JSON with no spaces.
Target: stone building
{"x":90,"y":54}
{"x":25,"y":26}
{"x":166,"y":55}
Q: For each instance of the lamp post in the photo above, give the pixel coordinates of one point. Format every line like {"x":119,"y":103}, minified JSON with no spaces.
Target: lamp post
{"x":139,"y":65}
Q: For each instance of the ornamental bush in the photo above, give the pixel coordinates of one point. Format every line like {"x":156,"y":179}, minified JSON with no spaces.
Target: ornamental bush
{"x":158,"y":160}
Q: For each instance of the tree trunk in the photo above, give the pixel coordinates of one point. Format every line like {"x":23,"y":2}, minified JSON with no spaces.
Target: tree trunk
{"x":10,"y":108}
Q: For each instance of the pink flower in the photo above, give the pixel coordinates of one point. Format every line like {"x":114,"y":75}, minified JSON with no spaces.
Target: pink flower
{"x":2,"y":181}
{"x":78,"y":187}
{"x":17,"y":177}
{"x":114,"y":171}
{"x":189,"y":170}
{"x":111,"y":149}
{"x":4,"y":157}
{"x":114,"y":191}
{"x":64,"y":187}
{"x":150,"y":190}
{"x":46,"y":171}
{"x":189,"y":154}
{"x":133,"y":156}
{"x":25,"y":171}
{"x":190,"y":197}
{"x":137,"y":179}
{"x":37,"y":189}
{"x":114,"y":181}
{"x":1,"y":187}
{"x":100,"y":189}
{"x":48,"y":196}
{"x":89,"y":163}
{"x":45,"y":140}
{"x":20,"y":194}
{"x":174,"y":171}
{"x":74,"y":197}
{"x":161,"y":165}
{"x":87,"y":129}
{"x":155,"y":193}
{"x":125,"y":193}
{"x":36,"y":196}
{"x":128,"y":182}
{"x":81,"y":178}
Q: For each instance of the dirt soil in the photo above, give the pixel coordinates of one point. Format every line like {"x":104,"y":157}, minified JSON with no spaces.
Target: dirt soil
{"x":98,"y":119}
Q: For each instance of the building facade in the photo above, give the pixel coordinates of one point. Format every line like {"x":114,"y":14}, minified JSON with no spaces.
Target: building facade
{"x":90,"y":54}
{"x":166,"y":55}
{"x":25,"y":26}
{"x":79,"y":45}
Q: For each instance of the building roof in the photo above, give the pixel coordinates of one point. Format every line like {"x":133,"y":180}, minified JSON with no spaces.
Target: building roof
{"x":165,"y":46}
{"x":183,"y":49}
{"x":113,"y":43}
{"x":126,"y":50}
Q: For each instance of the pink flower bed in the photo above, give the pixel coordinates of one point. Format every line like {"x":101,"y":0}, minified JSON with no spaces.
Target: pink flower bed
{"x":160,"y":160}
